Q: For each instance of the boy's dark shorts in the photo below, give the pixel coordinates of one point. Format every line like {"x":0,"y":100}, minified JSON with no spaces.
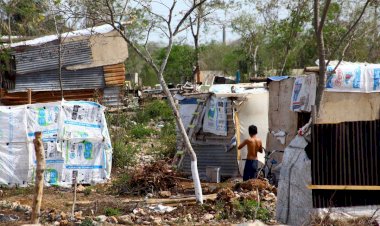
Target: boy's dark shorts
{"x":250,"y":169}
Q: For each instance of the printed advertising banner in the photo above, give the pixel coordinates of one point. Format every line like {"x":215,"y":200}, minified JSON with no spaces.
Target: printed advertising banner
{"x":303,"y":95}
{"x":215,"y":119}
{"x":354,"y":77}
{"x":75,"y":140}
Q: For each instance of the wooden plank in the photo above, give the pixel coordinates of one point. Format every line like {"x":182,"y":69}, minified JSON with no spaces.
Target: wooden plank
{"x":344,"y":187}
{"x":119,"y":79}
{"x":114,"y":70}
{"x":116,"y":74}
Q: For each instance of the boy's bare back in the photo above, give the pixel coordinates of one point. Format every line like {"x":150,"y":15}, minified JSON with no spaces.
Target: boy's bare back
{"x":254,"y":145}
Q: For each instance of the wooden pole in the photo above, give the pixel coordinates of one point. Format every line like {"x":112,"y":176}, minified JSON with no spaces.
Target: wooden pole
{"x":29,"y":96}
{"x":39,"y":184}
{"x":75,"y":175}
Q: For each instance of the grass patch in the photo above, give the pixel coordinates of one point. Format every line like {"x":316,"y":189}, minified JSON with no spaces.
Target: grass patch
{"x":139,"y":131}
{"x":239,"y":209}
{"x":109,"y":211}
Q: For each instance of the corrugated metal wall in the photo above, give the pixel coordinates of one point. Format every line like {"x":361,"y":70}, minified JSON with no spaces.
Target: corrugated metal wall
{"x":210,"y":149}
{"x":45,"y":57}
{"x":113,"y":96}
{"x":346,"y":154}
{"x":213,"y":155}
{"x":90,"y":78}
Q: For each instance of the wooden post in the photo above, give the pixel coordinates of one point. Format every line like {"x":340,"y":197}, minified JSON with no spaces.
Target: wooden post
{"x":75,"y":175}
{"x":29,"y":96}
{"x":39,"y":183}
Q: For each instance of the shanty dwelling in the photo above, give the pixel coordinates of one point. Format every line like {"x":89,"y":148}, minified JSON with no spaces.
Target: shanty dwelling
{"x":92,"y":67}
{"x":335,"y":170}
{"x":222,"y":123}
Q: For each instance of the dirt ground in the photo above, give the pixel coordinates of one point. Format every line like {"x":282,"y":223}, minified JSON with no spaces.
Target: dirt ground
{"x":58,"y":201}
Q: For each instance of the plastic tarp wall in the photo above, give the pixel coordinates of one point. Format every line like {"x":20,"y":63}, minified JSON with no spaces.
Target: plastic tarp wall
{"x":354,"y":77}
{"x":303,"y":95}
{"x":187,"y":107}
{"x":294,"y":199}
{"x":215,"y":119}
{"x":75,"y":138}
{"x":252,"y":110}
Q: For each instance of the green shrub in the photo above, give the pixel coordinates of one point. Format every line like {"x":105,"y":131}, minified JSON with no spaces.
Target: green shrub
{"x":124,"y":154}
{"x":140,"y":131}
{"x":117,"y":118}
{"x":120,"y":185}
{"x":156,"y":110}
{"x":108,"y":211}
{"x":248,"y":209}
{"x":87,"y":222}
{"x":159,"y":109}
{"x":168,"y":141}
{"x":87,"y":191}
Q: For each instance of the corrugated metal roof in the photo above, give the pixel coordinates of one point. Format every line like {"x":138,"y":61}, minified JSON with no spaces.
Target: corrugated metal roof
{"x":42,"y":58}
{"x":213,"y":155}
{"x":90,"y":78}
{"x":112,"y":96}
{"x":102,"y":29}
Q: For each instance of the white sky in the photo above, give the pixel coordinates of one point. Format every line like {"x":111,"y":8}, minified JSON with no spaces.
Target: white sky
{"x":214,"y":31}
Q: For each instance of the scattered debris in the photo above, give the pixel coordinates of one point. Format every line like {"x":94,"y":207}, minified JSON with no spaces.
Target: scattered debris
{"x":8,"y":218}
{"x":165,"y":194}
{"x":162,"y":209}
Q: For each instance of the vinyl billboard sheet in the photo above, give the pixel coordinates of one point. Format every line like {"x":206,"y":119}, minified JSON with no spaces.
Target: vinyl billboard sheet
{"x":75,"y":140}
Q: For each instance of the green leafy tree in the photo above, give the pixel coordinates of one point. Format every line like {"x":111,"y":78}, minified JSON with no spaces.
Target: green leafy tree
{"x":180,"y":63}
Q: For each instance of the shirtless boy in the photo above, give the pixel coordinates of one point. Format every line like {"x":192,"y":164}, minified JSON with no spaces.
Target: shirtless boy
{"x":254,"y":145}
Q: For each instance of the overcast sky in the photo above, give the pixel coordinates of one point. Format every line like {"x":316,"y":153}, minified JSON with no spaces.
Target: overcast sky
{"x":214,"y":31}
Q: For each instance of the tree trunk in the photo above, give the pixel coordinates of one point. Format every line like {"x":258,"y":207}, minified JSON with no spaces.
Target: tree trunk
{"x":197,"y":72}
{"x":322,"y":71}
{"x":39,"y":186}
{"x":193,"y":157}
{"x":255,"y":60}
{"x":9,"y":29}
{"x":285,"y":60}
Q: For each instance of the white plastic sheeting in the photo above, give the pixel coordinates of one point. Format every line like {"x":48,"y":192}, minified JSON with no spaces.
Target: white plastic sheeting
{"x":294,"y":199}
{"x":354,"y":77}
{"x":303,"y":95}
{"x":75,"y":138}
{"x":253,"y":110}
{"x":187,"y":108}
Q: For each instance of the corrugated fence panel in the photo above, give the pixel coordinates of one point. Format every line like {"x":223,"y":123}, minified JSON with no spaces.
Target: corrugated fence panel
{"x":114,"y":75}
{"x":213,"y":155}
{"x":346,"y":154}
{"x":90,"y":78}
{"x":45,"y":57}
{"x":113,"y":96}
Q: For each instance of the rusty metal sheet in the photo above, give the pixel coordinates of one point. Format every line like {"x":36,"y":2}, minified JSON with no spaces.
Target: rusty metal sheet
{"x":90,"y":78}
{"x":45,"y":57}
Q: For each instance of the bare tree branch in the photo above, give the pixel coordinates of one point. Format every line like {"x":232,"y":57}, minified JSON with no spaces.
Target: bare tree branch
{"x":184,"y":18}
{"x":324,"y":15}
{"x":153,"y":13}
{"x":352,"y":28}
{"x":316,"y":16}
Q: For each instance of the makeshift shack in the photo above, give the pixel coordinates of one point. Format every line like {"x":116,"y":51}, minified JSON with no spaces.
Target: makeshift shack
{"x":228,"y":111}
{"x":333,"y":165}
{"x":91,"y":61}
